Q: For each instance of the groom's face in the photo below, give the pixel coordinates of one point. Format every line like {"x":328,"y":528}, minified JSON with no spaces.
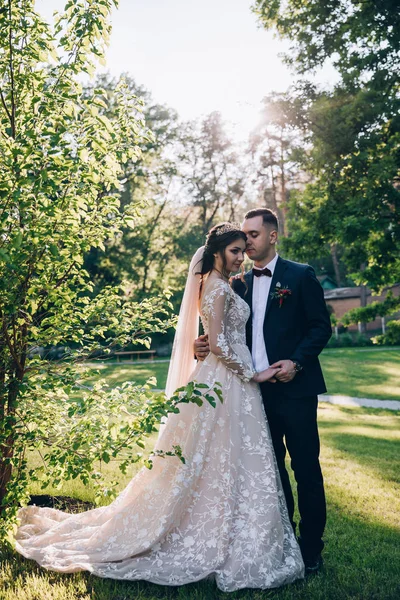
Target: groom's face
{"x":261,"y":238}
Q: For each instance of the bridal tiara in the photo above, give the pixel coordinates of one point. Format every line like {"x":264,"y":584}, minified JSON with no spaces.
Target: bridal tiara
{"x":227,"y":228}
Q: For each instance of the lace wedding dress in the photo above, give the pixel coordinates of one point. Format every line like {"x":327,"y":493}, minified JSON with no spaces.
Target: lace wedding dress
{"x":220,"y":515}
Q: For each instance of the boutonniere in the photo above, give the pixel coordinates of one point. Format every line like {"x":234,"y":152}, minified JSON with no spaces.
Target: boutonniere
{"x":281,"y":293}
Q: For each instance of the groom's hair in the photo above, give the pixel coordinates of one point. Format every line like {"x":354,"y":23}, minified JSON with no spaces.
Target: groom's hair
{"x":268,"y":215}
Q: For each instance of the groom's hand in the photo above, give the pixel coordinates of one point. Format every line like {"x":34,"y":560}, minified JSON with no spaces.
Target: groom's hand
{"x":286,"y":370}
{"x":201,"y":347}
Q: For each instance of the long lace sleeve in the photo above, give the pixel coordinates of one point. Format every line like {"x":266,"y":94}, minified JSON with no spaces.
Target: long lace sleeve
{"x":215,"y":308}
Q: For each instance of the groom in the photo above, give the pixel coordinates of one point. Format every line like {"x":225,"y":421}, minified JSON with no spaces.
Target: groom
{"x":288,"y":329}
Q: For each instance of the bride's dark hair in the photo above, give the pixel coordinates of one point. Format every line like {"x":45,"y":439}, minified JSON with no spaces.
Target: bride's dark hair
{"x":218,"y":238}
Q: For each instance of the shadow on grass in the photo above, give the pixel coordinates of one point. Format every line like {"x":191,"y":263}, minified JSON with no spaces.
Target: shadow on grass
{"x":361,"y":563}
{"x":378,"y":454}
{"x":363,"y":375}
{"x":118,"y":373}
{"x":384,"y":427}
{"x":363,"y":410}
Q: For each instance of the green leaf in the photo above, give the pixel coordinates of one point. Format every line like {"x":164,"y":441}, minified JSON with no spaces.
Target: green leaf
{"x":210,"y":400}
{"x":17,"y":240}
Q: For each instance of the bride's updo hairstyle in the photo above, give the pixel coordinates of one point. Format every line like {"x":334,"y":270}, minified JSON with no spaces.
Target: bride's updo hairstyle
{"x":218,"y":238}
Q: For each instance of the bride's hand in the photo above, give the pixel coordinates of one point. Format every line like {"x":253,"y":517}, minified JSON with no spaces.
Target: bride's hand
{"x":266,"y":375}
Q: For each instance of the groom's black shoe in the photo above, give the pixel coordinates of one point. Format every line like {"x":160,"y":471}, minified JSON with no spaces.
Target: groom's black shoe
{"x":313,"y":565}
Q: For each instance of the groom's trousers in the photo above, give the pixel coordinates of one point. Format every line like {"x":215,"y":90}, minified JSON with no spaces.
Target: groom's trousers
{"x":293,"y":426}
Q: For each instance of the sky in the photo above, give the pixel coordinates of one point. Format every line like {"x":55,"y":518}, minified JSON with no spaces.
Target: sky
{"x":196,"y":57}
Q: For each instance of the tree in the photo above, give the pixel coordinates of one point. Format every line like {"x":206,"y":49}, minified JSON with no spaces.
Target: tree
{"x":353,"y":203}
{"x":143,"y":254}
{"x":211,"y":172}
{"x":153,"y":254}
{"x":361,"y":37}
{"x":276,"y":148}
{"x":60,"y":183}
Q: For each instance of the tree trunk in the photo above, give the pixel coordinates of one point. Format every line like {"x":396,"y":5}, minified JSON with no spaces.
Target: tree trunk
{"x":283,"y":190}
{"x":150,"y":235}
{"x":363,"y":300}
{"x":335,"y":263}
{"x":9,"y":402}
{"x":7,"y":449}
{"x":3,"y":404}
{"x":273,"y":195}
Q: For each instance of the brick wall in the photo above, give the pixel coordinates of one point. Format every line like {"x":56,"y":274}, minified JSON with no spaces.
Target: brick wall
{"x":342,"y":305}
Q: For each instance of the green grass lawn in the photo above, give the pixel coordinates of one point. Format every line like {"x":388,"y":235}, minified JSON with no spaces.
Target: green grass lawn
{"x":363,"y":372}
{"x":360,"y":372}
{"x":360,"y":450}
{"x":116,"y":373}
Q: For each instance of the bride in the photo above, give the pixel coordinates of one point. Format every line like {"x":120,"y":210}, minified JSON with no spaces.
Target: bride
{"x":222,"y":514}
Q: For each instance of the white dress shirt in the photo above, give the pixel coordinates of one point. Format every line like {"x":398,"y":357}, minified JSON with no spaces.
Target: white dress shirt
{"x":261,"y":289}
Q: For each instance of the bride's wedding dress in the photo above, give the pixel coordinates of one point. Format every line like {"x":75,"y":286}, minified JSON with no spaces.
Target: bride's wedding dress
{"x":221,"y":515}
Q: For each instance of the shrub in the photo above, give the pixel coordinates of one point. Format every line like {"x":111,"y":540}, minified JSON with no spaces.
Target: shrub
{"x":348,"y":340}
{"x":391,"y":337}
{"x":360,"y":340}
{"x":342,"y":341}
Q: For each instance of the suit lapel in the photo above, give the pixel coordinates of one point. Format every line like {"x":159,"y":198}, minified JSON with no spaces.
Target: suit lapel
{"x":249,"y":299}
{"x":249,"y":294}
{"x":279,"y":271}
{"x":278,"y":276}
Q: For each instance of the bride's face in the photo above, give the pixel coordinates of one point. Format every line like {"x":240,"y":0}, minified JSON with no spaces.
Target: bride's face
{"x":234,"y":256}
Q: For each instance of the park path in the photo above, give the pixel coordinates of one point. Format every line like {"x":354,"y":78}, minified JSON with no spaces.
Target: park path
{"x":367,"y":402}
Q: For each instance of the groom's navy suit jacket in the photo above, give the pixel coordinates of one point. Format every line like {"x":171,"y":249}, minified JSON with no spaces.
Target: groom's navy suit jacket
{"x":298,"y":330}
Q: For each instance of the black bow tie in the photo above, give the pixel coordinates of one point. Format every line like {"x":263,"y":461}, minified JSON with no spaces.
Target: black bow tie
{"x":259,"y":272}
